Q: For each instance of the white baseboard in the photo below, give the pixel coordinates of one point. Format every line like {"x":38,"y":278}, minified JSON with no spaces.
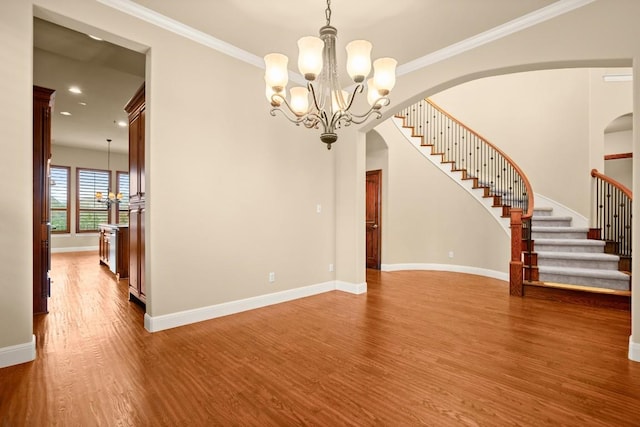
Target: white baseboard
{"x":74,"y":249}
{"x":16,"y":354}
{"x":448,"y":267}
{"x":352,"y":288}
{"x":173,"y":320}
{"x":634,"y":350}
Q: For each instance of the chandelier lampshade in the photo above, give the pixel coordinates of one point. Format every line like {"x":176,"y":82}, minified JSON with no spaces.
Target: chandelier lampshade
{"x":330,"y":106}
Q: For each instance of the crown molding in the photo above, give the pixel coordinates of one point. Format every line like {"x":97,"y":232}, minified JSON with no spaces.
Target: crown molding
{"x":548,"y":12}
{"x":162,"y":21}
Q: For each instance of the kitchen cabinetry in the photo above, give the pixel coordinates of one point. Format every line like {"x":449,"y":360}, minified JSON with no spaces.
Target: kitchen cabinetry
{"x":135,"y":108}
{"x":113,"y":248}
{"x":43,"y":99}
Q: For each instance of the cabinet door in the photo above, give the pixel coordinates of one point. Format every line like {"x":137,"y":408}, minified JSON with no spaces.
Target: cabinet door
{"x":134,"y":159}
{"x":42,"y":105}
{"x":141,"y":148}
{"x":134,"y":248}
{"x":141,"y":250}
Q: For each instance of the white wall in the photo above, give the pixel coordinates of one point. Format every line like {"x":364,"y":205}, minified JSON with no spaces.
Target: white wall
{"x":540,"y":119}
{"x":82,"y":158}
{"x":16,"y":176}
{"x":544,"y":121}
{"x":427,"y":216}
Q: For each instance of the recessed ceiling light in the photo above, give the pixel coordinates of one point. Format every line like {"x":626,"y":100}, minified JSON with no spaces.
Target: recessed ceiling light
{"x":95,"y":37}
{"x":65,"y":113}
{"x":84,"y":104}
{"x":75,"y":89}
{"x":122,"y":124}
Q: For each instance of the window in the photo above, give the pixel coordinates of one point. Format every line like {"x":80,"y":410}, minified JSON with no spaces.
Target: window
{"x":59,"y":197}
{"x":90,"y":212}
{"x":122,"y":186}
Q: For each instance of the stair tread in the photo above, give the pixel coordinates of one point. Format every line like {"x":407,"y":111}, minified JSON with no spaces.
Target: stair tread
{"x":591,"y":256}
{"x":583,"y":288}
{"x":550,"y":218}
{"x":559,"y":229}
{"x":584,"y":272}
{"x":569,"y":242}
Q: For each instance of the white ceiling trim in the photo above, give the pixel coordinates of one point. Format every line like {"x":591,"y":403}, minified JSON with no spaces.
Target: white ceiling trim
{"x":136,"y":10}
{"x":548,"y":12}
{"x":513,"y":26}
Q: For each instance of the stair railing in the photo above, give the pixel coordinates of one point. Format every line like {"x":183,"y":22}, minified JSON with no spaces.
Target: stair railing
{"x":612,"y":207}
{"x":482,"y":161}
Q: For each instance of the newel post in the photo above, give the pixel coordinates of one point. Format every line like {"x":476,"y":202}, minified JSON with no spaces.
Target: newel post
{"x":516,"y":266}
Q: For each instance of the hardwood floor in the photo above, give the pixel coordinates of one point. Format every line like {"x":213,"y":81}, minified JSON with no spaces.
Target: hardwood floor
{"x":420,"y":348}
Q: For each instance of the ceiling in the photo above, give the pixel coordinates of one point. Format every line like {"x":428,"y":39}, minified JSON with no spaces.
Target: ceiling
{"x":403,"y":29}
{"x":109,"y":74}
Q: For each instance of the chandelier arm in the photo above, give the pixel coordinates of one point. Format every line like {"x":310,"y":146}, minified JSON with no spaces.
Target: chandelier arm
{"x":308,"y":120}
{"x":359,"y":119}
{"x":377,"y":106}
{"x":312,"y":90}
{"x":358,"y":89}
{"x":289,"y":115}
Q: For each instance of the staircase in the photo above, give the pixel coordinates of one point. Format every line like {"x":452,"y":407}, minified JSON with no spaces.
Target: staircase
{"x":566,"y":256}
{"x":566,"y":266}
{"x":560,"y":261}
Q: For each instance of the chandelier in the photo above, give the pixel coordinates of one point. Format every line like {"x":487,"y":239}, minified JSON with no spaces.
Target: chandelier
{"x":111,"y":198}
{"x":331,"y":105}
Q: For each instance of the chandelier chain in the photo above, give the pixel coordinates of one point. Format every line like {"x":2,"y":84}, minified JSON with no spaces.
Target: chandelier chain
{"x":327,"y":12}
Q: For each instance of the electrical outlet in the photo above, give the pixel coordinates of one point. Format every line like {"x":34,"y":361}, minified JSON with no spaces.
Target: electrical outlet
{"x":318,"y":208}
{"x":272,"y":277}
{"x":330,"y":267}
{"x":450,"y":254}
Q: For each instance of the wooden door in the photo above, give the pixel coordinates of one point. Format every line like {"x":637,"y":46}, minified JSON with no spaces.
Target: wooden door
{"x":42,"y":106}
{"x":373,"y":218}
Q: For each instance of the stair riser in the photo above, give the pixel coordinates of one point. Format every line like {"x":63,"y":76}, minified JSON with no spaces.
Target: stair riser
{"x":540,"y":247}
{"x":578,"y":263}
{"x":545,"y":212}
{"x":551,"y":223}
{"x":559,"y":235}
{"x":621,"y":285}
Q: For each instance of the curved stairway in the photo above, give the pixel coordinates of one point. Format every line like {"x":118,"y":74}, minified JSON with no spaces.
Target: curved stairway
{"x":566,"y":256}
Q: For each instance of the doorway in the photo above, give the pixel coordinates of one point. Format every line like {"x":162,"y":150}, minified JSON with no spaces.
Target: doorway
{"x":373,"y":218}
{"x":93,"y":79}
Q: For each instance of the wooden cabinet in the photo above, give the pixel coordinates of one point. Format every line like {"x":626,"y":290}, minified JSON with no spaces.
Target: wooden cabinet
{"x":42,"y":106}
{"x":135,"y":108}
{"x":114,"y":248}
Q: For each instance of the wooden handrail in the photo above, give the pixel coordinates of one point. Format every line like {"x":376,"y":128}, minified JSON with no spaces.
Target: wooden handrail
{"x":527,"y":184}
{"x":611,"y":181}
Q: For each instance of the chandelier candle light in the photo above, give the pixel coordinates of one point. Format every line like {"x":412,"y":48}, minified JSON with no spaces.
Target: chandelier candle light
{"x":331,"y":104}
{"x":111,"y":196}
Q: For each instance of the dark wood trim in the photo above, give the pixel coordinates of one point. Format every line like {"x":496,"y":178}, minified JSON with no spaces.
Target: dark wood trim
{"x":618,"y":156}
{"x":516,"y":265}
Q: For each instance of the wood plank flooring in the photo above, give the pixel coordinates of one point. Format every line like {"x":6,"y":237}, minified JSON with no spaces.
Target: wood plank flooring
{"x":420,"y":348}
